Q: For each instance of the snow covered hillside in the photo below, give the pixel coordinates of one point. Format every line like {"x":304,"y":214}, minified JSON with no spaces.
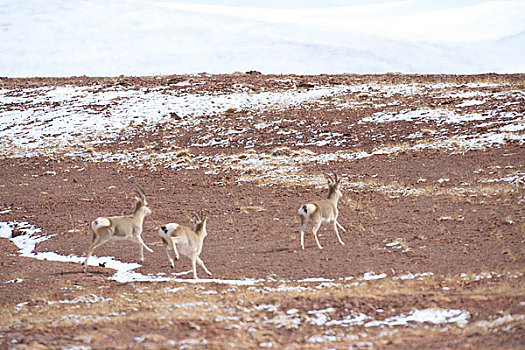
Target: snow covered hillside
{"x":141,"y":37}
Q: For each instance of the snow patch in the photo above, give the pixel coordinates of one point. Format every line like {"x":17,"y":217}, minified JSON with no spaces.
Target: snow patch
{"x":434,"y":316}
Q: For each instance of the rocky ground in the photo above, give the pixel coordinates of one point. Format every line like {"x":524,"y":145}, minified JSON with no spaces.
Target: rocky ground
{"x":433,"y":172}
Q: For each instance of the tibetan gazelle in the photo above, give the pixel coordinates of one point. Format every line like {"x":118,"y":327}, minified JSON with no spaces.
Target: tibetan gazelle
{"x":121,"y":227}
{"x":189,"y":241}
{"x":322,"y":211}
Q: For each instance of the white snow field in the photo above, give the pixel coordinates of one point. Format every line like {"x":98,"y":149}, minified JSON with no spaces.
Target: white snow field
{"x":143,"y":37}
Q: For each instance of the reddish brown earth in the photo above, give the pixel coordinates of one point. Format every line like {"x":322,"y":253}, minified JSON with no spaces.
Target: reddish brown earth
{"x":253,"y":233}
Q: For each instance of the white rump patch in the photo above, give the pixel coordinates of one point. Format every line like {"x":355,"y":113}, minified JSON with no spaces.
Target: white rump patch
{"x":100,"y":222}
{"x":307,"y":209}
{"x":172,"y":227}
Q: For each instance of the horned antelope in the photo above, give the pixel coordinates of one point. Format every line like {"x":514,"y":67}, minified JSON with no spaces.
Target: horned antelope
{"x":322,"y":211}
{"x":189,"y":241}
{"x":121,"y":227}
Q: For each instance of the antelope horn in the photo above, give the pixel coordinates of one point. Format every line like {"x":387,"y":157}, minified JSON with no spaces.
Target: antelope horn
{"x":191,"y":212}
{"x":329,"y":178}
{"x":336,"y":179}
{"x":141,"y":193}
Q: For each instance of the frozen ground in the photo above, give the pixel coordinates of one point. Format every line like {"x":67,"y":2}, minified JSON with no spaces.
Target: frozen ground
{"x":71,"y":120}
{"x":327,"y":320}
{"x":433,"y":205}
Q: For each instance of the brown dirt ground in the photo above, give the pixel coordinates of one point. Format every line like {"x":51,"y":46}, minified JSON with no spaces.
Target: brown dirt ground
{"x":244,"y":242}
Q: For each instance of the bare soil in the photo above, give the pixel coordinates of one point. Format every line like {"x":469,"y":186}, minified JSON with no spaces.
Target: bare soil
{"x":254,"y":233}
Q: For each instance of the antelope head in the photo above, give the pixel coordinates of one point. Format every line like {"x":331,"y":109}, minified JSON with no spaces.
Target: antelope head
{"x":199,"y":221}
{"x":142,"y":203}
{"x":333,"y":185}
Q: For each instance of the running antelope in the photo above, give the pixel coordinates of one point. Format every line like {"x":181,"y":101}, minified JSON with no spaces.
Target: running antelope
{"x":322,"y":211}
{"x":189,"y":241}
{"x":121,"y":227}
